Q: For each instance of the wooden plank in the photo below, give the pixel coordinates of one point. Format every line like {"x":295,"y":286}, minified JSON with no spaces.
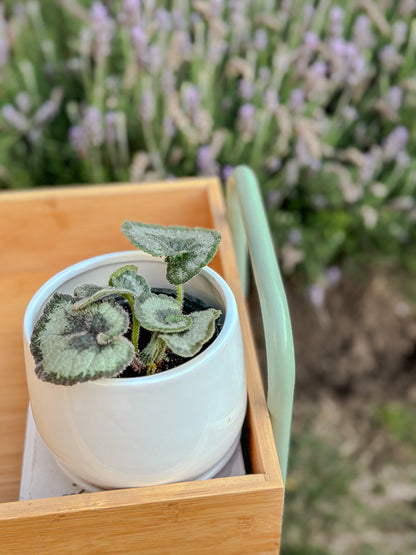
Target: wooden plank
{"x":225,"y":515}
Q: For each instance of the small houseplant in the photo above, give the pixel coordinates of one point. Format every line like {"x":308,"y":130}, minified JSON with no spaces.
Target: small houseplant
{"x":124,"y":420}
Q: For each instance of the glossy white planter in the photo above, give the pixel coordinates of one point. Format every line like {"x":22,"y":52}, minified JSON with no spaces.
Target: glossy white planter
{"x":182,"y":424}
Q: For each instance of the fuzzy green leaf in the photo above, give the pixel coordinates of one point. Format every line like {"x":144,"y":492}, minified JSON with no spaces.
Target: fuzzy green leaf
{"x":99,"y":295}
{"x":189,"y":342}
{"x":187,"y":250}
{"x":127,"y":277}
{"x":76,"y":346}
{"x":160,"y":313}
{"x":86,"y":290}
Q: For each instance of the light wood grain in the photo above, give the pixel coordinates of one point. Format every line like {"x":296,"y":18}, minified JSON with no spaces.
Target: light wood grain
{"x":42,"y":232}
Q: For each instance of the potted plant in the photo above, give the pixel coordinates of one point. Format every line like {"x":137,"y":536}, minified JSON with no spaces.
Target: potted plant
{"x":132,"y":382}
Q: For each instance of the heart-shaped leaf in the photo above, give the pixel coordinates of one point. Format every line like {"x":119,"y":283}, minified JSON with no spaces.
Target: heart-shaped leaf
{"x":189,"y":342}
{"x":160,"y":313}
{"x":75,"y":346}
{"x":187,"y":250}
{"x":127,"y":277}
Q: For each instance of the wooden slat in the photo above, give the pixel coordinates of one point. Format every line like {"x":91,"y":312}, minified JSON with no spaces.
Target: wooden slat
{"x":215,"y":516}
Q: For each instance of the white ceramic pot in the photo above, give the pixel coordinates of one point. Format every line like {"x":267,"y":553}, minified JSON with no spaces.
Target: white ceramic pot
{"x":178,"y":425}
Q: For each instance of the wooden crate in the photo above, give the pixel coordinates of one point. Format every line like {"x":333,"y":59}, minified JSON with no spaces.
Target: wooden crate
{"x":43,"y":231}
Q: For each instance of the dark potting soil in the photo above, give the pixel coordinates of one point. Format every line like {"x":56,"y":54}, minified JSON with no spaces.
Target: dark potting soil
{"x":190,"y":304}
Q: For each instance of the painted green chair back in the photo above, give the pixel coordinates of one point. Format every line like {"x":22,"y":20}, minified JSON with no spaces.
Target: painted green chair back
{"x":251,"y":234}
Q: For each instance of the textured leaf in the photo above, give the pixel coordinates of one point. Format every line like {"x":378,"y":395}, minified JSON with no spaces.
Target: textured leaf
{"x":99,"y":295}
{"x":75,"y":346}
{"x":127,"y":277}
{"x":189,"y":342}
{"x":86,"y":290}
{"x":186,"y":250}
{"x":160,"y":313}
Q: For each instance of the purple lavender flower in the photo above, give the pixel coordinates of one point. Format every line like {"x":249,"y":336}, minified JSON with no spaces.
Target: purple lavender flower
{"x":333,"y":275}
{"x":191,"y":99}
{"x":178,"y":19}
{"x":103,"y":30}
{"x":216,"y":8}
{"x":311,"y":40}
{"x":395,"y":142}
{"x":390,"y":58}
{"x":247,"y":121}
{"x":131,"y":12}
{"x":93,"y":126}
{"x":297,"y":100}
{"x":227,"y":171}
{"x":336,"y":21}
{"x":260,"y":39}
{"x":4,"y":43}
{"x":368,"y":168}
{"x":304,"y":156}
{"x":363,"y":36}
{"x":4,"y":50}
{"x":316,"y":295}
{"x":394,"y":97}
{"x":216,"y":49}
{"x":164,"y":19}
{"x":78,"y":139}
{"x":206,"y":162}
{"x":318,"y":69}
{"x":246,"y":89}
{"x":49,"y":109}
{"x":139,"y":40}
{"x":15,"y":118}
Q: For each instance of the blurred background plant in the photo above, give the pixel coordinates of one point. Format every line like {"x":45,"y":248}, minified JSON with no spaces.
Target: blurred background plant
{"x":318,"y":98}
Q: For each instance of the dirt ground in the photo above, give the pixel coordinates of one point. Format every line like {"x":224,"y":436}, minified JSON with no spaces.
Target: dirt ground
{"x":352,"y":466}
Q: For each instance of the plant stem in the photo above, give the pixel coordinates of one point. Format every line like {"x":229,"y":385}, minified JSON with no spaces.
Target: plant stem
{"x":153,"y":353}
{"x":136,"y":325}
{"x":135,"y":334}
{"x":179,"y":295}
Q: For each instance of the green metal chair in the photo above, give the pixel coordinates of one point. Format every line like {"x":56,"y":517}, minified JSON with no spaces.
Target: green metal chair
{"x":251,"y":234}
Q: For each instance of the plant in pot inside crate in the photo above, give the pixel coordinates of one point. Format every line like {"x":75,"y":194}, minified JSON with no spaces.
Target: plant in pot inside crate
{"x":132,"y":382}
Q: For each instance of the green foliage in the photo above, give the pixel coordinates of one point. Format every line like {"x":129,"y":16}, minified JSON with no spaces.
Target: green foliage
{"x":161,"y":313}
{"x":72,"y":346}
{"x":318,"y":98}
{"x":186,"y":251}
{"x":189,"y":342}
{"x":93,"y":334}
{"x":398,"y":420}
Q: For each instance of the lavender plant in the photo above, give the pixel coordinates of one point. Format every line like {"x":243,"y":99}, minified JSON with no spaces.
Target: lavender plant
{"x":96,"y":332}
{"x":319,"y":98}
